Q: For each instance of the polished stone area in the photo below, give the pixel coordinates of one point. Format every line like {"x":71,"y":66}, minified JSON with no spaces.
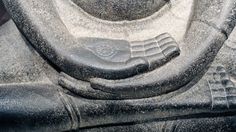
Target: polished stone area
{"x":118,"y":65}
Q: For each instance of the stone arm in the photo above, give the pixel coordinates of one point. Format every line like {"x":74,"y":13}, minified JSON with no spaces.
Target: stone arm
{"x":40,"y":107}
{"x":46,"y":107}
{"x":205,"y":36}
{"x":84,"y":58}
{"x":32,"y":108}
{"x":117,"y":59}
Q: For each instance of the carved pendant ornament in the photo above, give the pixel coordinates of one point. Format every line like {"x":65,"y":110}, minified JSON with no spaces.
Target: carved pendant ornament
{"x":117,"y":65}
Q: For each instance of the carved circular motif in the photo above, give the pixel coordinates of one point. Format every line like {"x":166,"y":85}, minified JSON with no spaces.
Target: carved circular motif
{"x":105,"y":50}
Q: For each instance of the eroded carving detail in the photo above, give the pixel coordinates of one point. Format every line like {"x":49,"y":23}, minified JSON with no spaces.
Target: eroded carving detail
{"x":223,"y":90}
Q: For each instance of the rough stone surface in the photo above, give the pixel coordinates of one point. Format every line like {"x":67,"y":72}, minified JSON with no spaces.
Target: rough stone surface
{"x":118,"y":65}
{"x":116,"y":10}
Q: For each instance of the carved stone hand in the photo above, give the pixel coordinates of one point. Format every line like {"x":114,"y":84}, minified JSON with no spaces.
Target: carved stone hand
{"x":117,"y":59}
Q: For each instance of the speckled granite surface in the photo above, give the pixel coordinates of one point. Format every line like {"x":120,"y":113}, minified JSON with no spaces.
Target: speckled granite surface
{"x":118,"y":66}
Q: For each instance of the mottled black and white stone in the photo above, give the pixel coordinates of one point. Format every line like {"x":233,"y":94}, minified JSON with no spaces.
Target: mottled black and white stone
{"x":118,"y":65}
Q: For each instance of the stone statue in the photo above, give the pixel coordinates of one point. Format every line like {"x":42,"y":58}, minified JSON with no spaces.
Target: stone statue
{"x":117,"y":65}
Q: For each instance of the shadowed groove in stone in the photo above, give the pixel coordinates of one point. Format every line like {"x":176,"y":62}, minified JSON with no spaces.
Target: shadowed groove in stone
{"x":118,"y":10}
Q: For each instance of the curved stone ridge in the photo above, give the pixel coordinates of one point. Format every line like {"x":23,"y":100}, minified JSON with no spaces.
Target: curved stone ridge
{"x":84,"y":83}
{"x":205,"y":35}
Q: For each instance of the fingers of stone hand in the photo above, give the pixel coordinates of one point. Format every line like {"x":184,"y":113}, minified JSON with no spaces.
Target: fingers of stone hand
{"x":171,"y":52}
{"x":169,"y":47}
{"x":137,"y":54}
{"x":167,"y":42}
{"x":156,"y":51}
{"x":145,"y":49}
{"x":137,"y":65}
{"x":152,"y":51}
{"x":141,"y":43}
{"x":152,"y":54}
{"x":151,"y":45}
{"x":162,"y":36}
{"x":155,"y":60}
{"x":137,"y":47}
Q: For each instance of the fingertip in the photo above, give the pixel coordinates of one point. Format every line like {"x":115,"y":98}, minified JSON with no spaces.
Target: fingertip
{"x":96,"y":83}
{"x":102,"y":84}
{"x":139,"y":64}
{"x":171,"y":52}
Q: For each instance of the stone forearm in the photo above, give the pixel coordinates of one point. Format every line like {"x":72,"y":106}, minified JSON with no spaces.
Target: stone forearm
{"x":33,"y":108}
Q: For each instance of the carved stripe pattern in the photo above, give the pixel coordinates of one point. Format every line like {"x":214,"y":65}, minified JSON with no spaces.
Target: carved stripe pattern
{"x":223,"y":90}
{"x":160,"y":47}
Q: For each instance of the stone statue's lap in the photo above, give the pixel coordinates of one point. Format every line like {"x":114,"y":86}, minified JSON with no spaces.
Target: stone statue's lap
{"x":89,"y":65}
